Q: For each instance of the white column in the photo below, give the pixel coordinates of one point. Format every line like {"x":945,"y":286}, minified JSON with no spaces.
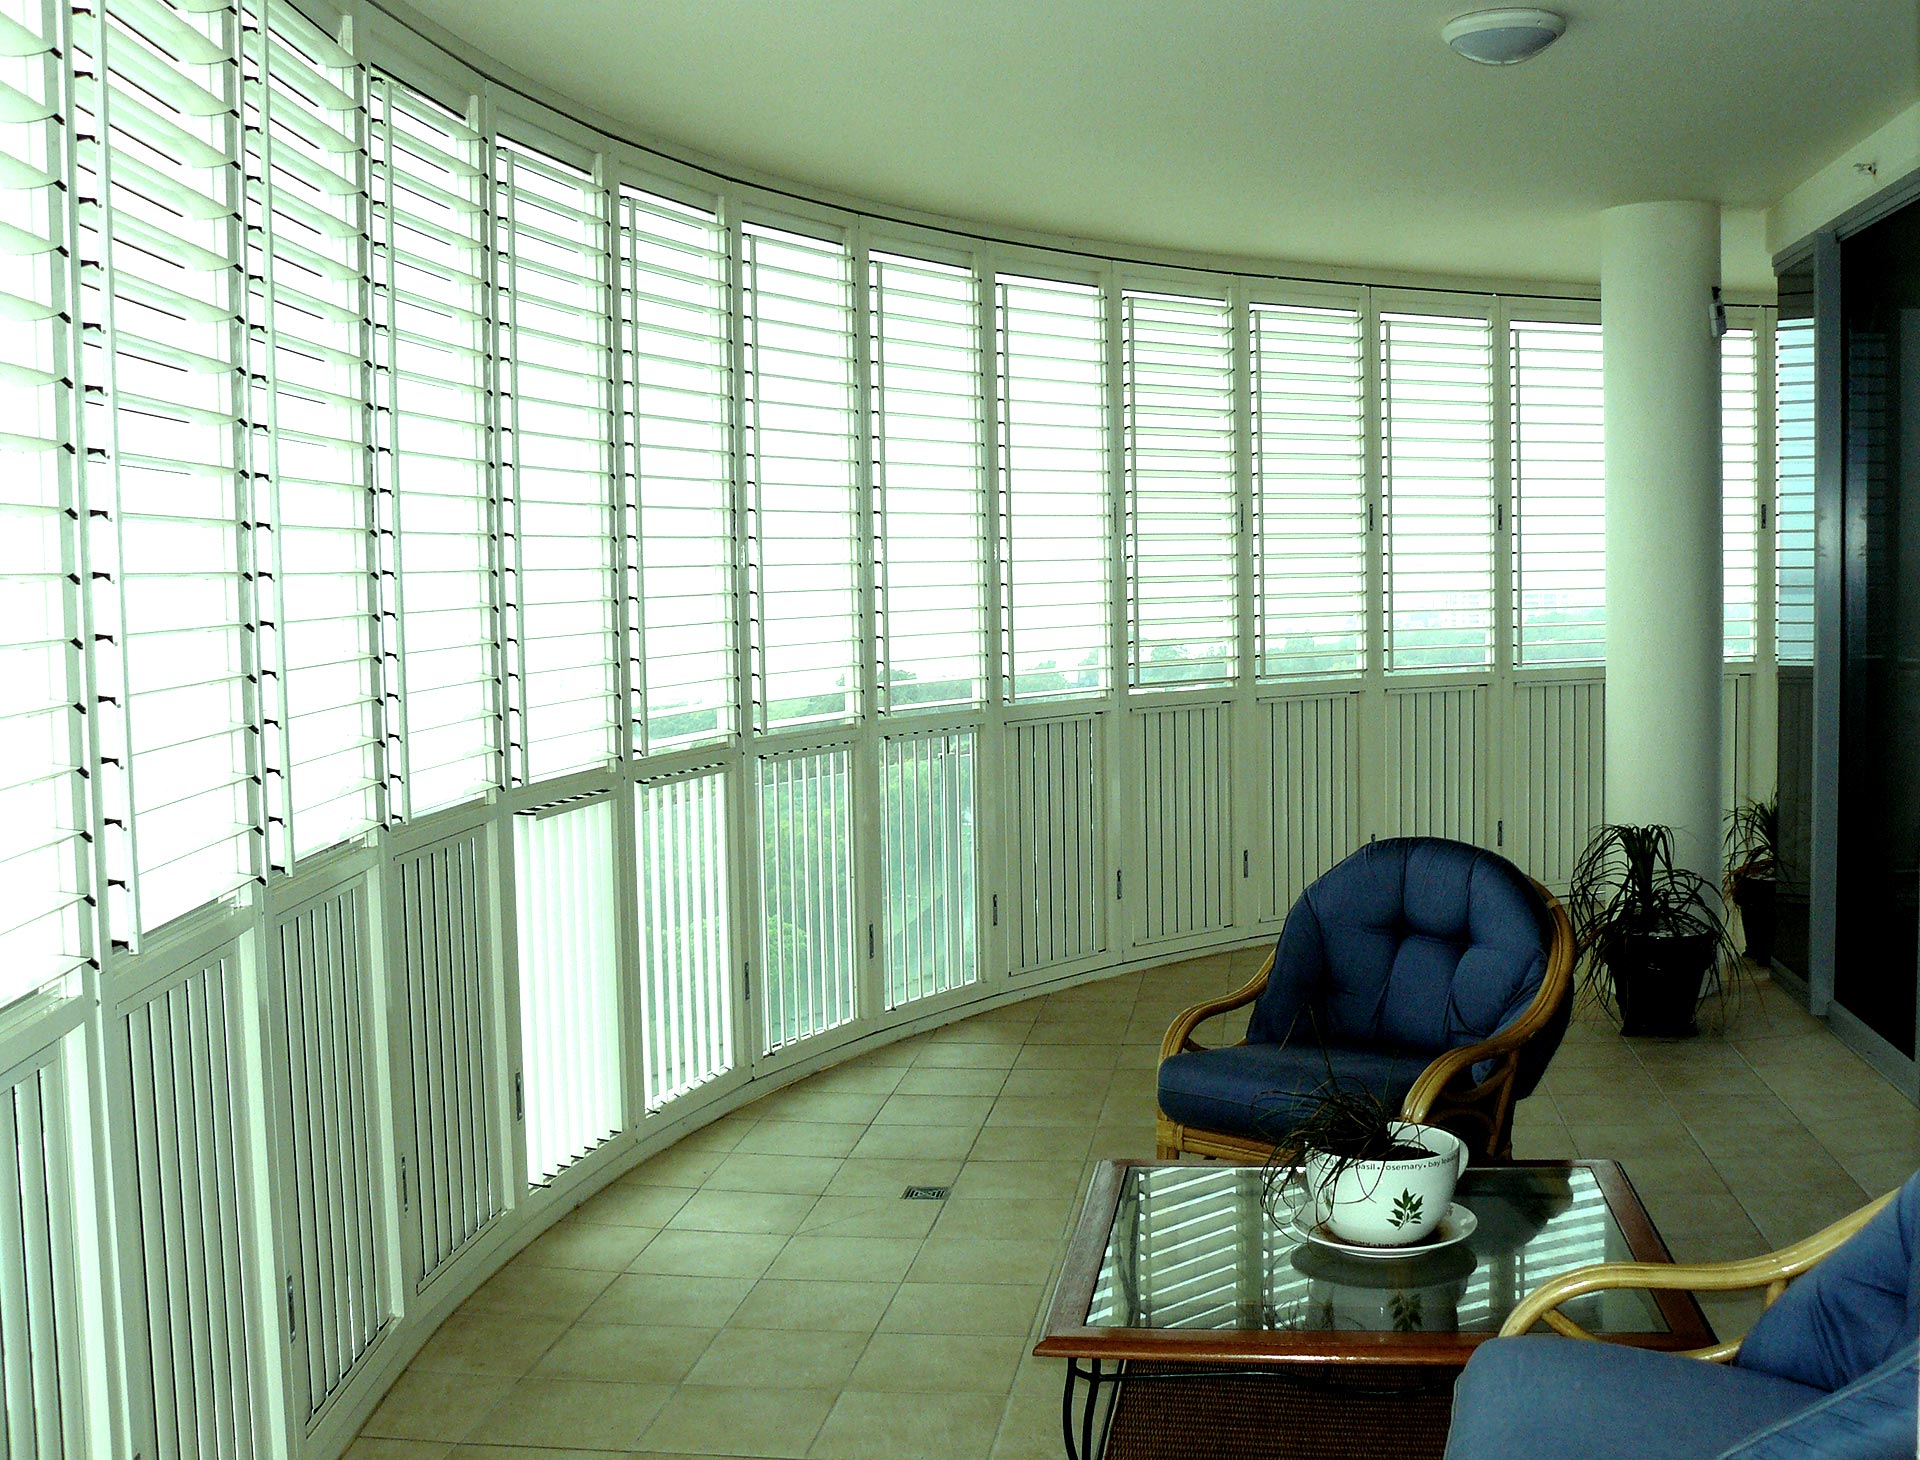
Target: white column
{"x":1659,"y":265}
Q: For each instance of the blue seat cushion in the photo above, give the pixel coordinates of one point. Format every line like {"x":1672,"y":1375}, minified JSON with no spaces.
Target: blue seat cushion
{"x":1873,"y":1418}
{"x":1261,"y":1091}
{"x":1538,"y":1396}
{"x":1415,"y":944}
{"x":1851,"y":1312}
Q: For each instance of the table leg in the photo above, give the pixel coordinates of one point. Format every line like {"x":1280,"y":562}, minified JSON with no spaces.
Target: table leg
{"x":1093,"y":1374}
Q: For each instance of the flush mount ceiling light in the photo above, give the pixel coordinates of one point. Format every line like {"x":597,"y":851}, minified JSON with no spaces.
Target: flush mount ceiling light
{"x":1503,"y":37}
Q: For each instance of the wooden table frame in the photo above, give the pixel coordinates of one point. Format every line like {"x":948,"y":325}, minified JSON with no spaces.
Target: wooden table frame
{"x":1089,"y":1349}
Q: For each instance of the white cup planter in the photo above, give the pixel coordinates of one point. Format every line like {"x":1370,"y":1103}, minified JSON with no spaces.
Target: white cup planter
{"x":1385,"y":1203}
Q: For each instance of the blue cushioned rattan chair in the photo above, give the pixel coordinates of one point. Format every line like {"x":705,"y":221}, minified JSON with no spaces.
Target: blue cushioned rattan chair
{"x":1829,"y":1369}
{"x":1434,"y":974}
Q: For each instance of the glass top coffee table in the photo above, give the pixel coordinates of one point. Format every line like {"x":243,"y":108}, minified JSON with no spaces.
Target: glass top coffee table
{"x":1181,"y":1264}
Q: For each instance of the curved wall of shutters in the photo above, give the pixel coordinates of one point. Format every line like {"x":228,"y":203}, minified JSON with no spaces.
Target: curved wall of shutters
{"x":516,"y":644}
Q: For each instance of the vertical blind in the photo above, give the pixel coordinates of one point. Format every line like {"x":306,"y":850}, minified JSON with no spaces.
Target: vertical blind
{"x":312,"y":461}
{"x":160,"y":202}
{"x":1559,"y":494}
{"x":1436,"y":426}
{"x":1182,"y":546}
{"x":678,"y":401}
{"x":1055,"y":509}
{"x":800,"y":462}
{"x":1740,"y":486}
{"x":929,"y":484}
{"x":1793,"y":457}
{"x":555,"y":437}
{"x":1309,"y":491}
{"x":432,"y":351}
{"x":44,"y":841}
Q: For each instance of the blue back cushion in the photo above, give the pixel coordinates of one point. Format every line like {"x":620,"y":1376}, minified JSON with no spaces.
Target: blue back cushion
{"x":1851,"y":1312}
{"x":1414,"y":943}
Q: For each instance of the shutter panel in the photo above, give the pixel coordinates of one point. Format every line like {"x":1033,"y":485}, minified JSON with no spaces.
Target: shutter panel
{"x":555,"y":419}
{"x":1740,"y":485}
{"x":800,"y":401}
{"x":1436,"y":422}
{"x":1309,"y":491}
{"x":1793,"y":476}
{"x":1559,"y":494}
{"x":927,"y":819}
{"x":808,"y":983}
{"x":1056,"y":521}
{"x":45,"y":857}
{"x":430,"y":218}
{"x":929,"y":484}
{"x":161,"y":194}
{"x":679,"y":409}
{"x":307,"y":204}
{"x":1182,"y":516}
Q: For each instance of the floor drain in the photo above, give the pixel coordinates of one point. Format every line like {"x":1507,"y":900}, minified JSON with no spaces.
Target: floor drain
{"x":927,"y":1193}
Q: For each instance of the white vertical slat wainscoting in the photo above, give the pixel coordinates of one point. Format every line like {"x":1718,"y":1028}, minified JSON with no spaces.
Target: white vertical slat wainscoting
{"x":442,"y":958}
{"x":1557,"y":792}
{"x":1438,"y":753}
{"x":175,"y":1057}
{"x":1059,"y":876}
{"x":334,"y":1196}
{"x":1309,"y":770}
{"x":1188,"y":862}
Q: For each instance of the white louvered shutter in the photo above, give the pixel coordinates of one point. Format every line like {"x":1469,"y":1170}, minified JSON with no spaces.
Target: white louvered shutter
{"x":45,"y":852}
{"x":1559,"y":494}
{"x":678,"y":382}
{"x":555,"y":416}
{"x":1310,"y":491}
{"x":161,"y":196}
{"x":430,"y":312}
{"x":313,"y":435}
{"x":1182,"y":516}
{"x":800,"y":458}
{"x":1056,"y":528}
{"x":1436,"y":425}
{"x":1740,"y":485}
{"x":929,"y":484}
{"x":1793,"y":475}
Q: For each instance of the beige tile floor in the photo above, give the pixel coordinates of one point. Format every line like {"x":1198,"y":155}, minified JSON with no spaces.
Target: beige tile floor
{"x":760,"y":1289}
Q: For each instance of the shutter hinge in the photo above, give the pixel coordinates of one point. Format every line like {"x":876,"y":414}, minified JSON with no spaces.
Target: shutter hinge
{"x":869,"y":940}
{"x":1118,"y":896}
{"x":1500,"y":833}
{"x":746,"y":980}
{"x":996,"y":910}
{"x":1246,"y":863}
{"x":1499,"y":516}
{"x":292,"y":1326}
{"x":1369,"y":517}
{"x":519,"y":1097}
{"x":406,"y":1191}
{"x":1763,"y":516}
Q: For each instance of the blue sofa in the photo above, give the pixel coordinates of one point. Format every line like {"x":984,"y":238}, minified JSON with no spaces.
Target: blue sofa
{"x":1419,"y":967}
{"x":1832,"y":1369}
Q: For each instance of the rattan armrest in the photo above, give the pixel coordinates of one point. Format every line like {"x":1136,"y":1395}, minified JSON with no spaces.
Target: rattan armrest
{"x":1180,"y":1035}
{"x":1770,"y":1270}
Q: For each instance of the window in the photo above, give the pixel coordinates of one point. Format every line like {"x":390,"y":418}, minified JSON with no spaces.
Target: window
{"x":312,"y":440}
{"x":800,"y":449}
{"x":1559,"y":494}
{"x":1182,"y":516}
{"x":1309,"y":489}
{"x":929,"y":484}
{"x":556,"y":447}
{"x":927,"y":855}
{"x":679,"y":443}
{"x":161,"y":194}
{"x":45,"y":851}
{"x":1436,"y":422}
{"x":1056,"y":530}
{"x":430,"y":220}
{"x":1740,"y":484}
{"x":1793,"y":525}
{"x":807,"y":959}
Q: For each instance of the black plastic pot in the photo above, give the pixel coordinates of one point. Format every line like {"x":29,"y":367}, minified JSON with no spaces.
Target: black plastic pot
{"x":1754,"y":897}
{"x":1657,"y":981}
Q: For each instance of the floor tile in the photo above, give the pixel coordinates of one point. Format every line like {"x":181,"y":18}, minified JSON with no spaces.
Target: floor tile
{"x":889,"y":1426}
{"x":425,"y":1405}
{"x":847,"y":1307}
{"x":695,"y":1302}
{"x":861,"y":1216}
{"x":762,"y":1423}
{"x":1003,"y":1309}
{"x":801,"y":1138}
{"x":574,"y":1414}
{"x":742,"y":1211}
{"x":524,"y":1290}
{"x":770,"y":1358}
{"x":710,"y":1254}
{"x":593,"y":1245}
{"x":1044,"y":1218}
{"x":945,"y":1142}
{"x":888,"y":1176}
{"x":983,"y":1260}
{"x":926,"y":1111}
{"x":628,"y":1353}
{"x":846,"y":1259}
{"x":798,"y":1175}
{"x":933,"y":1080}
{"x":474,"y":1341}
{"x":629,"y":1203}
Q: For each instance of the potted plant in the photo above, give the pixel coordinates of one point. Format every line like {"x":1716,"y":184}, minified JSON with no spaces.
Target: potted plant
{"x":1365,"y":1176}
{"x":1649,"y":933}
{"x":1751,"y":846}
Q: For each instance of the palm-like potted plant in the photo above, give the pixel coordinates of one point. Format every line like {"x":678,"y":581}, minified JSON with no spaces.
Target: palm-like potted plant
{"x":1752,"y":865}
{"x":1649,"y":934}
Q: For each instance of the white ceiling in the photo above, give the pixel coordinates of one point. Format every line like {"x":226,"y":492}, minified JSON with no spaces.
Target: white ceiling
{"x":1336,"y":132}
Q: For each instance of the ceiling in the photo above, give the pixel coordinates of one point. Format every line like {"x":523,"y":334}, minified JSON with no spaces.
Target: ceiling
{"x":1327,"y":132}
